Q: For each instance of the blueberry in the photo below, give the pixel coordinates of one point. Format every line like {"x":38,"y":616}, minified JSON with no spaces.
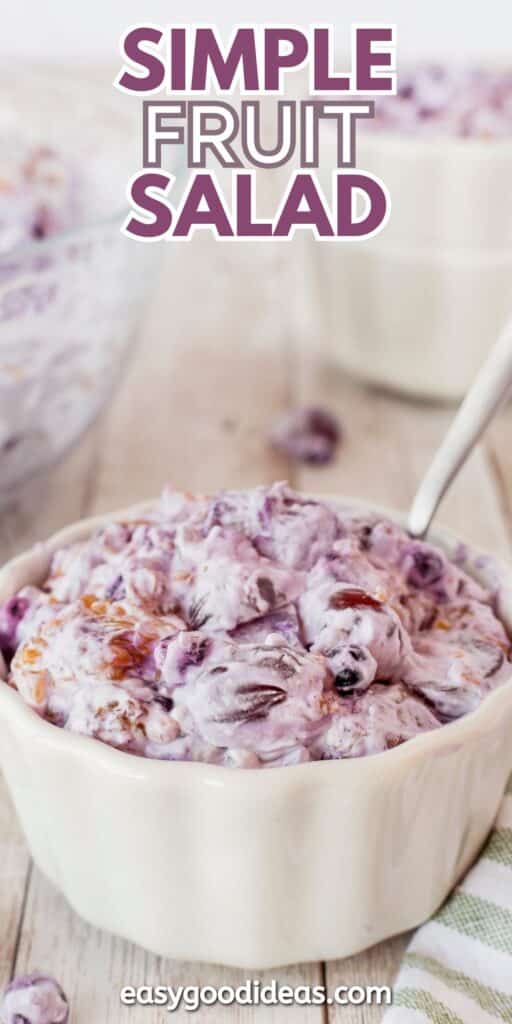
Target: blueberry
{"x":166,"y":702}
{"x":346,"y":681}
{"x":11,"y":443}
{"x":38,"y":231}
{"x":11,"y":614}
{"x":39,"y":996}
{"x":308,"y":435}
{"x":365,"y":537}
{"x":426,"y":567}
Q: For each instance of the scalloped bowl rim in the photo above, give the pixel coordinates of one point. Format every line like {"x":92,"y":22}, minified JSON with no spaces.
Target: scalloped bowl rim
{"x":435,"y":742}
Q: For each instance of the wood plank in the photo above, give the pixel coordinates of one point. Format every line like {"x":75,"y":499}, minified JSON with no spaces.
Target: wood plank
{"x":376,"y":966}
{"x":93,"y":967}
{"x":206,"y":382}
{"x":15,"y":863}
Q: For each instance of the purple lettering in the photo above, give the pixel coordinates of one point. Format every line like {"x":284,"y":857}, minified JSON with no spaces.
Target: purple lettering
{"x":246,"y":227}
{"x":154,"y":205}
{"x":241,"y":52}
{"x":178,"y":53}
{"x":275,"y":61}
{"x":149,"y":62}
{"x":303,"y":192}
{"x":350,"y":226}
{"x":324,"y":81}
{"x":367,"y":60}
{"x":203,"y":192}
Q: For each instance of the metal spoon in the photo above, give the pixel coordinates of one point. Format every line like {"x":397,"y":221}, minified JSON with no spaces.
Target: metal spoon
{"x":477,"y":410}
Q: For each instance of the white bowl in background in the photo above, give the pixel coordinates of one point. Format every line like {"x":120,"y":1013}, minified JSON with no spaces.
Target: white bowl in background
{"x":253,"y":868}
{"x":446,"y":192}
{"x":419,"y":320}
{"x":417,"y":307}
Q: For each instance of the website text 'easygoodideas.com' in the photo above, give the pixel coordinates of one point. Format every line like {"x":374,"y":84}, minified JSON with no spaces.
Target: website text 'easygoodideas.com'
{"x":254,"y":993}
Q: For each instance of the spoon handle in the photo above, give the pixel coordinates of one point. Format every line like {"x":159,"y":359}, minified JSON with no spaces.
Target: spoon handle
{"x":479,"y":406}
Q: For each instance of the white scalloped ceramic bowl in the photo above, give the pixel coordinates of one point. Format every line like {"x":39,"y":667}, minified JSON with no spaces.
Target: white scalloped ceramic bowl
{"x":418,"y":321}
{"x":253,"y":868}
{"x":447,"y":192}
{"x":417,"y":307}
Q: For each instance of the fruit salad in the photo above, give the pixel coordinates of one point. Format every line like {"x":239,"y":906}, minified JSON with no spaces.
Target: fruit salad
{"x":34,"y":999}
{"x":39,"y":193}
{"x":71,"y":293}
{"x":434,"y":99}
{"x":250,"y":629}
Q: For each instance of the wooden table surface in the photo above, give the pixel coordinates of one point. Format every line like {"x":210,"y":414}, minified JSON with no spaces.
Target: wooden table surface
{"x":233,"y":337}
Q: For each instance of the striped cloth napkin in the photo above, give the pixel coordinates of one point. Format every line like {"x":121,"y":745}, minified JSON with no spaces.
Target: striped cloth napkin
{"x":458,"y":967}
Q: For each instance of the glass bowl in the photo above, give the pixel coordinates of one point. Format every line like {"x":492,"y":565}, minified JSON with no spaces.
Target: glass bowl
{"x":70,"y":304}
